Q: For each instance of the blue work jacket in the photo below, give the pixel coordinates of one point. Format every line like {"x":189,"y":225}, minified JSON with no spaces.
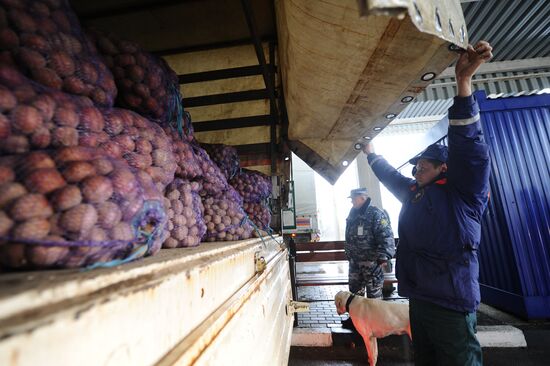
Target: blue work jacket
{"x":440,"y":223}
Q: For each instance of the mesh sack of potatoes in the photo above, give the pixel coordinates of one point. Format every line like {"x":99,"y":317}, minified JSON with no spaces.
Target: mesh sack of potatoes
{"x":225,"y":157}
{"x":142,"y":143}
{"x":145,"y":82}
{"x":212,"y":180}
{"x":225,"y":218}
{"x":259,"y":214}
{"x":44,"y":39}
{"x":74,"y":207}
{"x":252,"y":185}
{"x":36,"y":117}
{"x":184,"y":209}
{"x":188,"y":166}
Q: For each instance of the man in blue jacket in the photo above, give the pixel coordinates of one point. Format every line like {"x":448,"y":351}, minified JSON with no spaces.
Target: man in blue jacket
{"x":440,"y":228}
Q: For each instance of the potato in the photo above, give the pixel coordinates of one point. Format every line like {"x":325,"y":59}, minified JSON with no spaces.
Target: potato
{"x":103,"y":166}
{"x":124,"y":182}
{"x":65,"y":116}
{"x":44,"y":181}
{"x":91,"y":119}
{"x":41,"y":138}
{"x":36,"y":160}
{"x":30,"y":206}
{"x":31,"y":59}
{"x":47,"y":77}
{"x":97,"y":189}
{"x":122,"y":231}
{"x":47,"y":256}
{"x":74,"y":85}
{"x":61,"y":63}
{"x":22,"y":21}
{"x":111,"y":149}
{"x":7,"y":100}
{"x":74,"y":153}
{"x":8,"y":39}
{"x":26,"y":119}
{"x":65,"y":136}
{"x":79,"y":219}
{"x":66,"y":198}
{"x":109,"y":215}
{"x":77,"y":171}
{"x":35,"y":229}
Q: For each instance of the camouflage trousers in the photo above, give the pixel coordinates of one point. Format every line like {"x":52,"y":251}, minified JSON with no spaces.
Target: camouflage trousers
{"x":365,"y":277}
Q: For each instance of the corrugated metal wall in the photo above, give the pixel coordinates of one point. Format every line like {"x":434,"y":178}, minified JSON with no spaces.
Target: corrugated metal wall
{"x":515,"y":250}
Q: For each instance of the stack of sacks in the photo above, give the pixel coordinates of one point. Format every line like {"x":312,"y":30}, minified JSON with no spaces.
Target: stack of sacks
{"x":36,"y":117}
{"x":61,"y":148}
{"x":255,"y":188}
{"x":45,"y":40}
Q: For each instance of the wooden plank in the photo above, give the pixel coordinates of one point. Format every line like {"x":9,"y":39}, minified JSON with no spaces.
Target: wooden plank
{"x":231,"y":123}
{"x":321,"y":256}
{"x":318,"y":246}
{"x":241,"y":96}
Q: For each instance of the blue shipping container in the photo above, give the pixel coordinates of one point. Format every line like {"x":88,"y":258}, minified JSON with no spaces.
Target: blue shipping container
{"x":515,"y":245}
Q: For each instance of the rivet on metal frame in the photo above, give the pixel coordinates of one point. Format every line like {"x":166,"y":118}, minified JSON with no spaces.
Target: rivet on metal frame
{"x":428,"y":76}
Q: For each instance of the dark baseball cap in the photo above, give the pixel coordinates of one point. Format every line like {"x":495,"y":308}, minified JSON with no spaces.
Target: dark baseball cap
{"x":358,"y":192}
{"x":433,"y":152}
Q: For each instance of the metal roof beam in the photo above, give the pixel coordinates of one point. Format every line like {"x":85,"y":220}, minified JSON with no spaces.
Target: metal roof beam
{"x":504,"y":66}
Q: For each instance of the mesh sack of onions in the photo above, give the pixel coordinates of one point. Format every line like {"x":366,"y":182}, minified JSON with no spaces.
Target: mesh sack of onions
{"x":146,"y":84}
{"x":212,"y":180}
{"x":187,"y":164}
{"x":184,"y":209}
{"x":259,"y":214}
{"x":74,"y":207}
{"x":36,"y":117}
{"x":225,"y":157}
{"x":225,"y":218}
{"x":253,"y":186}
{"x":44,"y":39}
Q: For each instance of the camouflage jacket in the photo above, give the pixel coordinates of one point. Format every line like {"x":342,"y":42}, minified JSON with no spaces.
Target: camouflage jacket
{"x":369,"y":236}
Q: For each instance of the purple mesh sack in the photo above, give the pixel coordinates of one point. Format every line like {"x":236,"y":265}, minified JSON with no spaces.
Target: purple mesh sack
{"x":259,"y":214}
{"x":188,"y":167}
{"x":184,"y":208}
{"x":146,"y":84}
{"x":44,"y":39}
{"x":36,"y":117}
{"x":225,"y":218}
{"x":225,"y":157}
{"x":253,"y":186}
{"x":212,"y":180}
{"x":75,"y":207}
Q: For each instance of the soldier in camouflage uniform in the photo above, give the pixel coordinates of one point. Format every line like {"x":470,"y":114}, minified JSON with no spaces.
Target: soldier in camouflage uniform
{"x":369,"y":245}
